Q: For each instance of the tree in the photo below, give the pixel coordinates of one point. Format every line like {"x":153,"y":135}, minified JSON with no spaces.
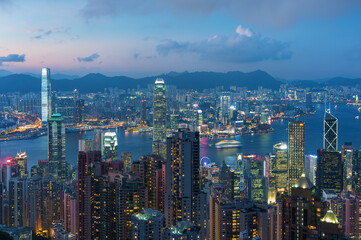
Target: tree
{"x":39,"y":237}
{"x":5,"y":236}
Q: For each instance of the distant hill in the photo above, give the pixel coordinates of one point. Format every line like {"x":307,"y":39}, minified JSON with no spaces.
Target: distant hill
{"x":4,"y":73}
{"x":340,"y":81}
{"x":94,"y":82}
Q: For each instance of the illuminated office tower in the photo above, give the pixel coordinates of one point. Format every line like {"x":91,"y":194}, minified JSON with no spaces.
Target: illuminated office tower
{"x":278,"y":172}
{"x":56,"y":147}
{"x":65,"y":106}
{"x":79,"y":111}
{"x":226,"y":179}
{"x":147,"y":225}
{"x":347,"y":153}
{"x":296,"y":151}
{"x":224,"y":105}
{"x":45,"y":95}
{"x":329,"y":175}
{"x":239,"y":173}
{"x":310,"y":168}
{"x":257,"y":183}
{"x":159,"y":118}
{"x":22,"y":160}
{"x":143,"y":110}
{"x":174,"y":121}
{"x":110,"y":145}
{"x":330,"y":129}
{"x":182,"y":178}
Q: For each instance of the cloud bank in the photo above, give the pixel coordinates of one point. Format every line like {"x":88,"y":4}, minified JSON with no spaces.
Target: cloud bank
{"x":12,"y":58}
{"x":91,"y":58}
{"x":276,"y":13}
{"x":243,"y":46}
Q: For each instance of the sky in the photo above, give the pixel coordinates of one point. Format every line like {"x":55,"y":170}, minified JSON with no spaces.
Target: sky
{"x":293,"y":40}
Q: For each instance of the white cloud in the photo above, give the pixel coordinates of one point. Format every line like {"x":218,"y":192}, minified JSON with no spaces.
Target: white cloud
{"x":234,"y":48}
{"x":244,"y":31}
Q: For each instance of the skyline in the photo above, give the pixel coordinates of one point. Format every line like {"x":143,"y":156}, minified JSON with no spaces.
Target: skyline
{"x":287,"y":40}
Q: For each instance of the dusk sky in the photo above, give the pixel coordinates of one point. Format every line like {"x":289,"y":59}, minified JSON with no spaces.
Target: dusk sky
{"x":289,"y":39}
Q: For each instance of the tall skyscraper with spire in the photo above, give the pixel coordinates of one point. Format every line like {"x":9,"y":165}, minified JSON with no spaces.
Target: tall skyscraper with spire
{"x":296,"y":151}
{"x":45,"y":95}
{"x":330,"y":128}
{"x":159,"y":118}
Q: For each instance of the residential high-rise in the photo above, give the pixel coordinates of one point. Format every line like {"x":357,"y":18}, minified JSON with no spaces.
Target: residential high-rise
{"x":110,"y":145}
{"x":224,"y":218}
{"x":300,"y":212}
{"x":18,"y":214}
{"x":56,"y":147}
{"x":126,"y":157}
{"x":182,"y":178}
{"x":147,"y":225}
{"x":296,"y":151}
{"x":329,"y":175}
{"x":330,"y":128}
{"x":182,"y":230}
{"x":278,"y":171}
{"x":356,"y":172}
{"x":45,"y":95}
{"x":84,"y":190}
{"x":150,"y":165}
{"x":159,"y":118}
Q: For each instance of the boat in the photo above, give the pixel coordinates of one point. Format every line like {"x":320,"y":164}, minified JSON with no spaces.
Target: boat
{"x":228,"y":144}
{"x":357,"y":117}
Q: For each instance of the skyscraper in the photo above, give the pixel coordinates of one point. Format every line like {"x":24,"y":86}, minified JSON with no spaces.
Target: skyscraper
{"x":329,"y":175}
{"x":110,"y":145}
{"x":182,"y":178}
{"x":224,"y":105}
{"x":278,"y":171}
{"x":159,"y":118}
{"x":56,"y":147}
{"x":65,"y":107}
{"x":300,"y":212}
{"x":22,"y":160}
{"x":45,"y":95}
{"x":79,"y":111}
{"x":330,"y":129}
{"x":309,"y":101}
{"x":296,"y":151}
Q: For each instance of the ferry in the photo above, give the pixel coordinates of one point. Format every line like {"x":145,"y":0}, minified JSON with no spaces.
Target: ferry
{"x":228,"y":144}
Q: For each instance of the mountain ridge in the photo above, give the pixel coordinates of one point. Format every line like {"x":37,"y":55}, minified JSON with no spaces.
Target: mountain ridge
{"x":96,"y":82}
